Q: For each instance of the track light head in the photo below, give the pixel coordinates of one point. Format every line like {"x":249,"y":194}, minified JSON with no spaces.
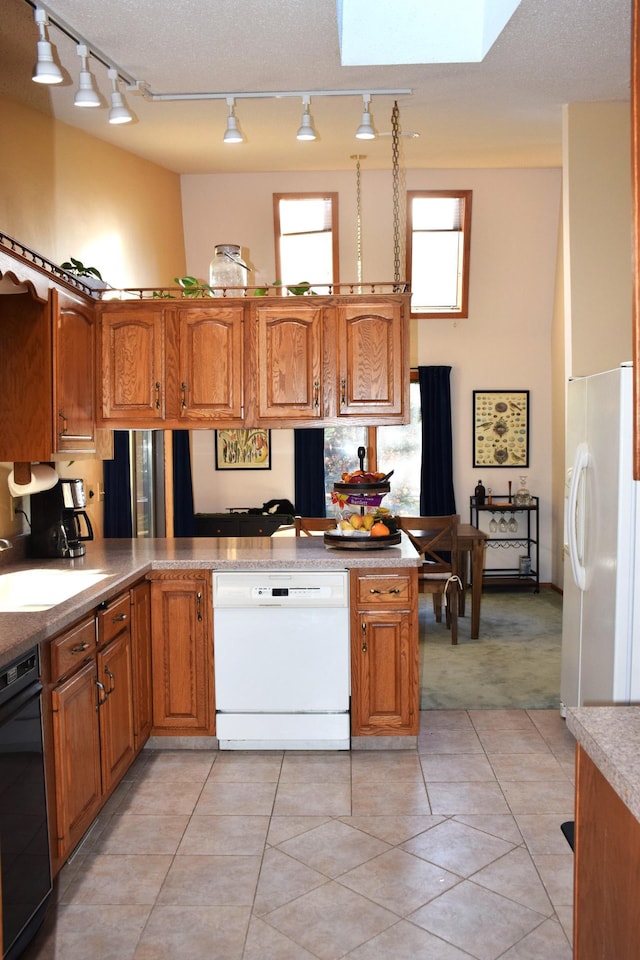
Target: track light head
{"x":87,"y":95}
{"x":365,"y":131}
{"x":46,"y":69}
{"x":232,"y":134}
{"x":305,"y":130}
{"x":118,"y":113}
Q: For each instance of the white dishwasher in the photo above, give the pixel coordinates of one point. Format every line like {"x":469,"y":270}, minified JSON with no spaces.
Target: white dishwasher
{"x":281,"y":659}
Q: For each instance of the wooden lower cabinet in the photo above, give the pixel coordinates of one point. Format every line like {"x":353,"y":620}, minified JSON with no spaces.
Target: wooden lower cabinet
{"x":92,"y":687}
{"x":384,"y":653}
{"x":182,"y":653}
{"x":141,"y":663}
{"x":77,"y":757}
{"x":606,"y":870}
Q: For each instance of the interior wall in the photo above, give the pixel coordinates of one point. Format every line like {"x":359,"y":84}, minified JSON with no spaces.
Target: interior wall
{"x":597,"y":236}
{"x":64,"y":193}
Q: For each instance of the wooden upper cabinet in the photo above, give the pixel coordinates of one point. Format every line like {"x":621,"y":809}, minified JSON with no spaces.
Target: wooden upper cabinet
{"x":288,"y":362}
{"x":210,"y":376}
{"x":371,"y":370}
{"x":73,"y":374}
{"x":132,"y":363}
{"x":47,"y":373}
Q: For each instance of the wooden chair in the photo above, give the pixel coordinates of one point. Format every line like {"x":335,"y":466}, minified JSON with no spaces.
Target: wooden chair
{"x":436,"y":538}
{"x":310,"y":526}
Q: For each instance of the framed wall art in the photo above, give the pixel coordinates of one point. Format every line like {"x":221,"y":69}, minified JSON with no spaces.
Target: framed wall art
{"x":243,"y":449}
{"x":501,"y":428}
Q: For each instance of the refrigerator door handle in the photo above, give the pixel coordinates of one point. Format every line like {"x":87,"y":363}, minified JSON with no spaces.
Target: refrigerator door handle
{"x":575,"y":517}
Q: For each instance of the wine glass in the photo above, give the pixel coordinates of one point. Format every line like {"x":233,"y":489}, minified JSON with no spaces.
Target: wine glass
{"x":513,"y":524}
{"x":493,"y":526}
{"x":502,"y":526}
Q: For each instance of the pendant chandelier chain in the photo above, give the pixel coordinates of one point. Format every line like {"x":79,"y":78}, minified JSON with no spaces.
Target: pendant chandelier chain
{"x":357,"y":157}
{"x":398,"y":204}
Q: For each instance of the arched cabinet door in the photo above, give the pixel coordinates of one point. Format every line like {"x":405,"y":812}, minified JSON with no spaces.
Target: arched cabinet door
{"x":210,"y":383}
{"x":132,"y":364}
{"x":288,"y":362}
{"x":371,"y":369}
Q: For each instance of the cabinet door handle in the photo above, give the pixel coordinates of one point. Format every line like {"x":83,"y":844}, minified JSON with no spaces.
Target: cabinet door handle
{"x":343,"y":392}
{"x":112,"y":681}
{"x":363,"y":627}
{"x":81,"y":648}
{"x":119,"y":618}
{"x":390,"y":590}
{"x":64,"y":423}
{"x":183,"y":391}
{"x":157,"y":394}
{"x":199,"y":606}
{"x":316,"y":393}
{"x":101,"y":700}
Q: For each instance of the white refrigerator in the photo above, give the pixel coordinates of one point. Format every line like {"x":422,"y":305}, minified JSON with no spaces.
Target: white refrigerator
{"x":600,"y":642}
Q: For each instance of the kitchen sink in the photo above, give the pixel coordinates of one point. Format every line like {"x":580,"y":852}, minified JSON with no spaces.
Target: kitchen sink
{"x":30,"y":591}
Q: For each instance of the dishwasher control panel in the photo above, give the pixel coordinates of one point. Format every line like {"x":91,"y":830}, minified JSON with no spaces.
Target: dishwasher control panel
{"x":293,"y":593}
{"x":282,"y":588}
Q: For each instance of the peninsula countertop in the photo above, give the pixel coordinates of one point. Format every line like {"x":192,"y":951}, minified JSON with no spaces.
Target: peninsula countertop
{"x":126,"y":561}
{"x":611,"y":738}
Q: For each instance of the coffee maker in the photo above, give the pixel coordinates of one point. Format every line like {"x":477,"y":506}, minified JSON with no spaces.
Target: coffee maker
{"x":57,"y":521}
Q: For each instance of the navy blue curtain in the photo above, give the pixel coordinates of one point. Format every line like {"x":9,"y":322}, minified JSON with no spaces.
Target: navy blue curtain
{"x":117,"y":489}
{"x":437,"y":497}
{"x":308,"y":447}
{"x":183,"y":522}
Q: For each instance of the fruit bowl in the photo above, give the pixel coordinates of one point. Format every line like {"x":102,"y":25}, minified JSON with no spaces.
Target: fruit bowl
{"x":354,"y":542}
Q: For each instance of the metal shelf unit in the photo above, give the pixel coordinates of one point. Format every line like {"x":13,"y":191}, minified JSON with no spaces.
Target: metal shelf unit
{"x":524,"y":539}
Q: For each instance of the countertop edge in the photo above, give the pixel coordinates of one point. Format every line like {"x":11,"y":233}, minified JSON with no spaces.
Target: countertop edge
{"x":611,"y":738}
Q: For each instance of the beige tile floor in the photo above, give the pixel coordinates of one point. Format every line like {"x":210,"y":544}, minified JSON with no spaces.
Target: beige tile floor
{"x":451,"y":852}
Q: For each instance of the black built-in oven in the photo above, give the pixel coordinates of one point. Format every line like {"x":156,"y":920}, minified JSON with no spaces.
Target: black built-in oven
{"x":24,"y":837}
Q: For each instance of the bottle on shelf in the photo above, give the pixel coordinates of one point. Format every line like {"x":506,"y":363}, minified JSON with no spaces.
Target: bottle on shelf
{"x":522,"y":497}
{"x":480,"y":493}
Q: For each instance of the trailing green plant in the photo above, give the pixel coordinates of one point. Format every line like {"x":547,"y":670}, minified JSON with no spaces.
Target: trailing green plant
{"x":192,"y":287}
{"x":298,"y":290}
{"x":77,"y":266}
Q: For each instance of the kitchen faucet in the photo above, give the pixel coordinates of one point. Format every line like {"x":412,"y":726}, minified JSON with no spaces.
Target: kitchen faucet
{"x":5,"y":544}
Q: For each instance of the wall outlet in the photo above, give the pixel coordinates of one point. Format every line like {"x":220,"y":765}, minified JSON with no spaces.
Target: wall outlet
{"x":15,"y":503}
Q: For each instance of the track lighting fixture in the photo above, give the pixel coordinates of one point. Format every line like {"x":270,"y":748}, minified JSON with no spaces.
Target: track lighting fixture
{"x":87,"y":95}
{"x":232,"y":134}
{"x":118,"y":112}
{"x":365,"y":131}
{"x":305,"y":130}
{"x":46,"y":69}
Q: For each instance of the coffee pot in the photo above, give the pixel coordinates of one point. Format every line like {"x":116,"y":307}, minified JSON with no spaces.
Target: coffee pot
{"x":59,"y":525}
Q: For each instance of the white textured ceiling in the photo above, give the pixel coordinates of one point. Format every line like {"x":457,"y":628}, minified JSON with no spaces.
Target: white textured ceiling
{"x":505,"y":111}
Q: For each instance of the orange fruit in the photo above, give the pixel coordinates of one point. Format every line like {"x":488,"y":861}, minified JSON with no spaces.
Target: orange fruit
{"x":380,"y":529}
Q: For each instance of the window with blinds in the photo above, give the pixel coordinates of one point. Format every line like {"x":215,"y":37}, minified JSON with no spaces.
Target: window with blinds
{"x":438,"y":248}
{"x":306,"y":235}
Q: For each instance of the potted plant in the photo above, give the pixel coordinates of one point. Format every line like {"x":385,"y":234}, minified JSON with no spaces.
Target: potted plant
{"x":90,"y":276}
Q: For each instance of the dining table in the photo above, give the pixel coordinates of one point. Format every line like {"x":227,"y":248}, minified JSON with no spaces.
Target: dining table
{"x":471,"y":547}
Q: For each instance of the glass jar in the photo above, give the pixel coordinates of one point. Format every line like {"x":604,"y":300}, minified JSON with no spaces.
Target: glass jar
{"x":522,"y":497}
{"x":227,"y":269}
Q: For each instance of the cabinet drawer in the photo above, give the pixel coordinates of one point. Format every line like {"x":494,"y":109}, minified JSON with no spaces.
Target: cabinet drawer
{"x":384,"y":590}
{"x":72,"y":650}
{"x":114,"y":619}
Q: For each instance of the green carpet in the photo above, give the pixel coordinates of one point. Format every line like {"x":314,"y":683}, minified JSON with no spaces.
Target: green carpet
{"x":514,"y":663}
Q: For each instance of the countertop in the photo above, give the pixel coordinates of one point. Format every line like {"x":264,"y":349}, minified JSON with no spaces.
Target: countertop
{"x":126,"y":561}
{"x":611,"y":738}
